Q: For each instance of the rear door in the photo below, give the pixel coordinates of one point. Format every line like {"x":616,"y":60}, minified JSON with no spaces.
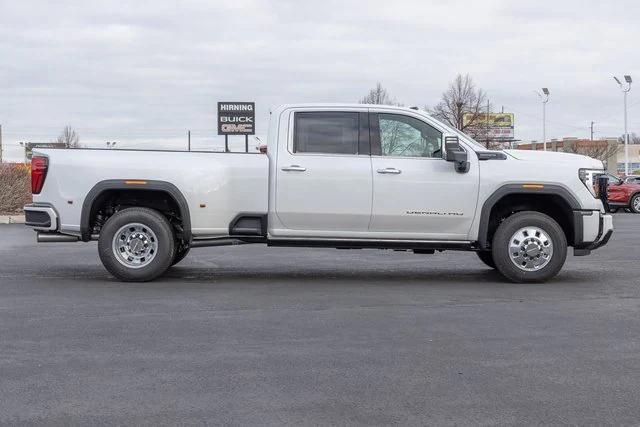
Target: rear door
{"x":416,"y":193}
{"x":323,"y":174}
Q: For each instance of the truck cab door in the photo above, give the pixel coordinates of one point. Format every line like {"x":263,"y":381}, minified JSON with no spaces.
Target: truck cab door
{"x":417,"y":194}
{"x":323,"y":185}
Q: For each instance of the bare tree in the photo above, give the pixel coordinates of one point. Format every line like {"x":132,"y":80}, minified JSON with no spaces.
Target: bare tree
{"x":633,"y":138}
{"x":69,"y":138}
{"x":463,"y":97}
{"x":601,"y":150}
{"x":378,"y":95}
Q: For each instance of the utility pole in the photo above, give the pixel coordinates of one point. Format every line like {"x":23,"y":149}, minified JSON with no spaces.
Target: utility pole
{"x":188,"y":140}
{"x":592,"y":130}
{"x":625,"y":88}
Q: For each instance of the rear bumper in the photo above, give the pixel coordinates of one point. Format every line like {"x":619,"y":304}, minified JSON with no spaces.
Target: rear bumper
{"x":604,"y":233}
{"x":41,"y":217}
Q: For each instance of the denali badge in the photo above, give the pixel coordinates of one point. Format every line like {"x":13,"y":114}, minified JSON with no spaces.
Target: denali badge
{"x":433,"y":213}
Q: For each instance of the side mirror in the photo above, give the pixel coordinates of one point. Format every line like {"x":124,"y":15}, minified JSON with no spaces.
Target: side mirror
{"x":456,"y":154}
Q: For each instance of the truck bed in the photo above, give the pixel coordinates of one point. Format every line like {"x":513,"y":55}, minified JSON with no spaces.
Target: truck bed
{"x":216,"y":186}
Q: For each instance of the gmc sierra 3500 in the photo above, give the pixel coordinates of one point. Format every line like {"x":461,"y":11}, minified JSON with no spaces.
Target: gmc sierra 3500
{"x":341,"y":176}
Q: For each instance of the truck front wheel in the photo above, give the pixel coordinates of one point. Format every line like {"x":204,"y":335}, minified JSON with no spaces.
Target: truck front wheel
{"x":529,"y":247}
{"x":136,"y":244}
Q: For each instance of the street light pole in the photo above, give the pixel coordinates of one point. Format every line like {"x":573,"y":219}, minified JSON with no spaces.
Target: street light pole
{"x":544,"y":125}
{"x":625,"y":88}
{"x":544,"y":99}
{"x":626,"y":134}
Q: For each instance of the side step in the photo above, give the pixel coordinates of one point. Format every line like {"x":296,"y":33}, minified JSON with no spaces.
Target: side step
{"x":246,"y":224}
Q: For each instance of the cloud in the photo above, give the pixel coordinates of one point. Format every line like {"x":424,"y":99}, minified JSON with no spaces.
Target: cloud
{"x":143,"y":73}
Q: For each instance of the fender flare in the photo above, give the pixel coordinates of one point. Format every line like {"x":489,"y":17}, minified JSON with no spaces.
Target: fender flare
{"x":120,"y":184}
{"x":518,"y":188}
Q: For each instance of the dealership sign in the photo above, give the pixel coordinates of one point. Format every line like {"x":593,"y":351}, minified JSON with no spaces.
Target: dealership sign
{"x":236,"y":118}
{"x":500,"y":124}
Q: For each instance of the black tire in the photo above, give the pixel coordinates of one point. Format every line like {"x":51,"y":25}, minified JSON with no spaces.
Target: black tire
{"x":163,"y":254}
{"x":634,"y":204}
{"x":487,"y":258}
{"x":502,"y":240}
{"x":181,"y":252}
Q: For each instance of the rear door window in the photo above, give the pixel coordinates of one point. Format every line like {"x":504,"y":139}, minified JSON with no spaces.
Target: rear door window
{"x":326,"y":132}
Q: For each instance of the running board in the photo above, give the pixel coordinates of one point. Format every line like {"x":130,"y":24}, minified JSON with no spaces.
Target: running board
{"x":225,"y":241}
{"x":374,"y":244}
{"x":425,"y":246}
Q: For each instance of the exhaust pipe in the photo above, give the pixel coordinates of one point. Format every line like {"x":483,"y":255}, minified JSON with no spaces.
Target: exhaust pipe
{"x":55,"y":238}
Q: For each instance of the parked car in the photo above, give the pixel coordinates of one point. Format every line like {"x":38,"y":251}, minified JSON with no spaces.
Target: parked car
{"x":623,"y":194}
{"x":340,"y":176}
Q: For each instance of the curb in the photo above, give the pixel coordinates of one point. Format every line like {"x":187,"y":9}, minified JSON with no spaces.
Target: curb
{"x":11,"y":219}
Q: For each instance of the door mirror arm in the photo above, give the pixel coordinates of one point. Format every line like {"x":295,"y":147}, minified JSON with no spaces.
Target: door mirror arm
{"x":456,"y":154}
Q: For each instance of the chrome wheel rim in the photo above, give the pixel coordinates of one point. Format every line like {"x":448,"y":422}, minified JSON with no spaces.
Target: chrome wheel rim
{"x":530,"y":249}
{"x":636,"y":204}
{"x":135,"y":245}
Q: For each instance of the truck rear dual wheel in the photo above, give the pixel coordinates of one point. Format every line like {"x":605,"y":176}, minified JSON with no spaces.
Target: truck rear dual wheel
{"x":137,"y":244}
{"x":529,"y":247}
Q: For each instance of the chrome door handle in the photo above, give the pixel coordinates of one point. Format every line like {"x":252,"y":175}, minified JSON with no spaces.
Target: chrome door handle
{"x":390,"y":170}
{"x":294,"y":168}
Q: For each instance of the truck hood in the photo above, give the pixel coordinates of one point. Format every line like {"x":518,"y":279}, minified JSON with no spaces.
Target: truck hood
{"x":555,"y":157}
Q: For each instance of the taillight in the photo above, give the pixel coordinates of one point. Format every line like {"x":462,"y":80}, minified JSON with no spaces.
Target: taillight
{"x":39,"y":166}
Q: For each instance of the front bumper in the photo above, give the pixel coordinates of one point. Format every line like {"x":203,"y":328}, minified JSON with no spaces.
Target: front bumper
{"x":605,"y":231}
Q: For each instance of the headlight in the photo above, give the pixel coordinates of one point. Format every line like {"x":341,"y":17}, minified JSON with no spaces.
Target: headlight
{"x":589,"y":178}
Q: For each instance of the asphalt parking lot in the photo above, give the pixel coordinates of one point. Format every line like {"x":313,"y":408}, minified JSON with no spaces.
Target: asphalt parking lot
{"x":255,"y":335}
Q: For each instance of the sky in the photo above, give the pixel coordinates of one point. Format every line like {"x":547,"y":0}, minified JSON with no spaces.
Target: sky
{"x":142,"y":73}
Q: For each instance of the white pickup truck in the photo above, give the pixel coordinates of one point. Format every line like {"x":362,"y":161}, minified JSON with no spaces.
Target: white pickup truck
{"x":340,"y":176}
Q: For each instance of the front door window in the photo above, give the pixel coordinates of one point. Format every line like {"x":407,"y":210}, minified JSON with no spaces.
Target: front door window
{"x":404,"y":136}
